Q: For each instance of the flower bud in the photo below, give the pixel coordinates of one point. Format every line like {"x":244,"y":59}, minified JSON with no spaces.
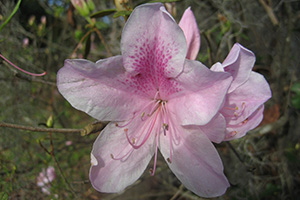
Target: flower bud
{"x":81,"y":6}
{"x":121,"y":4}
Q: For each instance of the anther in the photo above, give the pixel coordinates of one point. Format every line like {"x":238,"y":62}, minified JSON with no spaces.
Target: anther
{"x":112,"y":156}
{"x":151,"y":171}
{"x":169,"y":160}
{"x":231,"y":134}
{"x":166,"y":126}
{"x":133,"y":140}
{"x":116,"y":124}
{"x":245,"y":121}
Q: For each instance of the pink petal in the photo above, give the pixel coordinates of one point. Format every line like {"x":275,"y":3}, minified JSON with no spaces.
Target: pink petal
{"x":191,"y":32}
{"x":204,"y":92}
{"x":99,"y":89}
{"x":109,"y":175}
{"x":239,"y":64}
{"x":248,"y":97}
{"x":153,"y":42}
{"x":234,"y":131}
{"x":196,"y":163}
{"x":215,"y":129}
{"x":51,"y":173}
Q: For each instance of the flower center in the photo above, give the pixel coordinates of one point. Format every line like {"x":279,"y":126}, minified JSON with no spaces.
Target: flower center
{"x":155,"y":119}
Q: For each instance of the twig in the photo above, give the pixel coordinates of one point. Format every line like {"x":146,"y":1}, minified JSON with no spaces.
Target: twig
{"x":103,"y":42}
{"x":179,"y":191}
{"x":58,"y":165}
{"x":87,"y":34}
{"x":270,"y":12}
{"x":36,"y":129}
{"x":89,"y":129}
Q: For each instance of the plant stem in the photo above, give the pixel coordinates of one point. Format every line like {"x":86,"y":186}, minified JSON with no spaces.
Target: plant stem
{"x":36,"y":129}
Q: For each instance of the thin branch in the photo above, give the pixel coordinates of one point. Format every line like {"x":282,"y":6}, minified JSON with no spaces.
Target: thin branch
{"x":80,"y":42}
{"x":36,"y":129}
{"x":103,"y":41}
{"x":270,"y":12}
{"x":89,"y":129}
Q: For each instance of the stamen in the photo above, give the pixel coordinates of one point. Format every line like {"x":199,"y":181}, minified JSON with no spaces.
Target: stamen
{"x":245,"y":121}
{"x":26,"y":72}
{"x":166,"y":126}
{"x":124,"y":157}
{"x":169,"y":160}
{"x":146,"y":136}
{"x":231,"y":134}
{"x":155,"y":157}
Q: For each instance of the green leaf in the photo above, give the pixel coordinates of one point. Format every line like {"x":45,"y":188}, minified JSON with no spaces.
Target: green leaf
{"x":11,"y":15}
{"x":296,"y":87}
{"x":123,"y":13}
{"x":3,"y":196}
{"x":103,"y":13}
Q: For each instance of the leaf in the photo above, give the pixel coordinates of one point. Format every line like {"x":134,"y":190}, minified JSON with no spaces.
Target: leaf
{"x":103,"y":13}
{"x":296,"y":97}
{"x":123,"y":13}
{"x":11,"y":15}
{"x":3,"y":196}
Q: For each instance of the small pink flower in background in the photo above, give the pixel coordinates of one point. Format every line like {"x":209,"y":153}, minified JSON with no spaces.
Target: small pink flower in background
{"x":69,"y":143}
{"x":155,"y":99}
{"x":44,"y":20}
{"x":45,"y":178}
{"x":244,"y":104}
{"x":25,"y":42}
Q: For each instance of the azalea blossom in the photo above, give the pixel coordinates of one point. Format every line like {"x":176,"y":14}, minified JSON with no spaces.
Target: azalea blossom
{"x":244,"y":105}
{"x":155,"y":99}
{"x":45,"y":178}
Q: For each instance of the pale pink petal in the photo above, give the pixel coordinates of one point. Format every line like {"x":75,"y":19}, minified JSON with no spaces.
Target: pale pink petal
{"x":51,"y":173}
{"x":215,"y":129}
{"x":234,"y":131}
{"x":247,"y":98}
{"x":204,"y":92}
{"x":217,"y":67}
{"x":191,"y":31}
{"x":111,"y":175}
{"x":99,"y":89}
{"x":196,"y":163}
{"x":239,"y":64}
{"x":152,"y":43}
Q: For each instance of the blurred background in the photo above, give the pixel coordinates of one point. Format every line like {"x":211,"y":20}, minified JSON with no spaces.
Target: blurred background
{"x":43,"y":33}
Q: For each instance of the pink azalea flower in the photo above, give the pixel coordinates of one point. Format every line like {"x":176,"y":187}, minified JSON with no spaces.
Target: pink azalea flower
{"x":156,"y":99}
{"x":244,"y":105}
{"x":45,"y":178}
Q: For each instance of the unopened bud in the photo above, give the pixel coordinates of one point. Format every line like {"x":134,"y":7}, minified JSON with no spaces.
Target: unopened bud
{"x":49,"y":122}
{"x":121,"y":4}
{"x":81,"y":6}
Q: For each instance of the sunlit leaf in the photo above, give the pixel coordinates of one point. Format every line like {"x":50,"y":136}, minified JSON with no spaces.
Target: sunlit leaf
{"x":122,"y":13}
{"x":103,"y":13}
